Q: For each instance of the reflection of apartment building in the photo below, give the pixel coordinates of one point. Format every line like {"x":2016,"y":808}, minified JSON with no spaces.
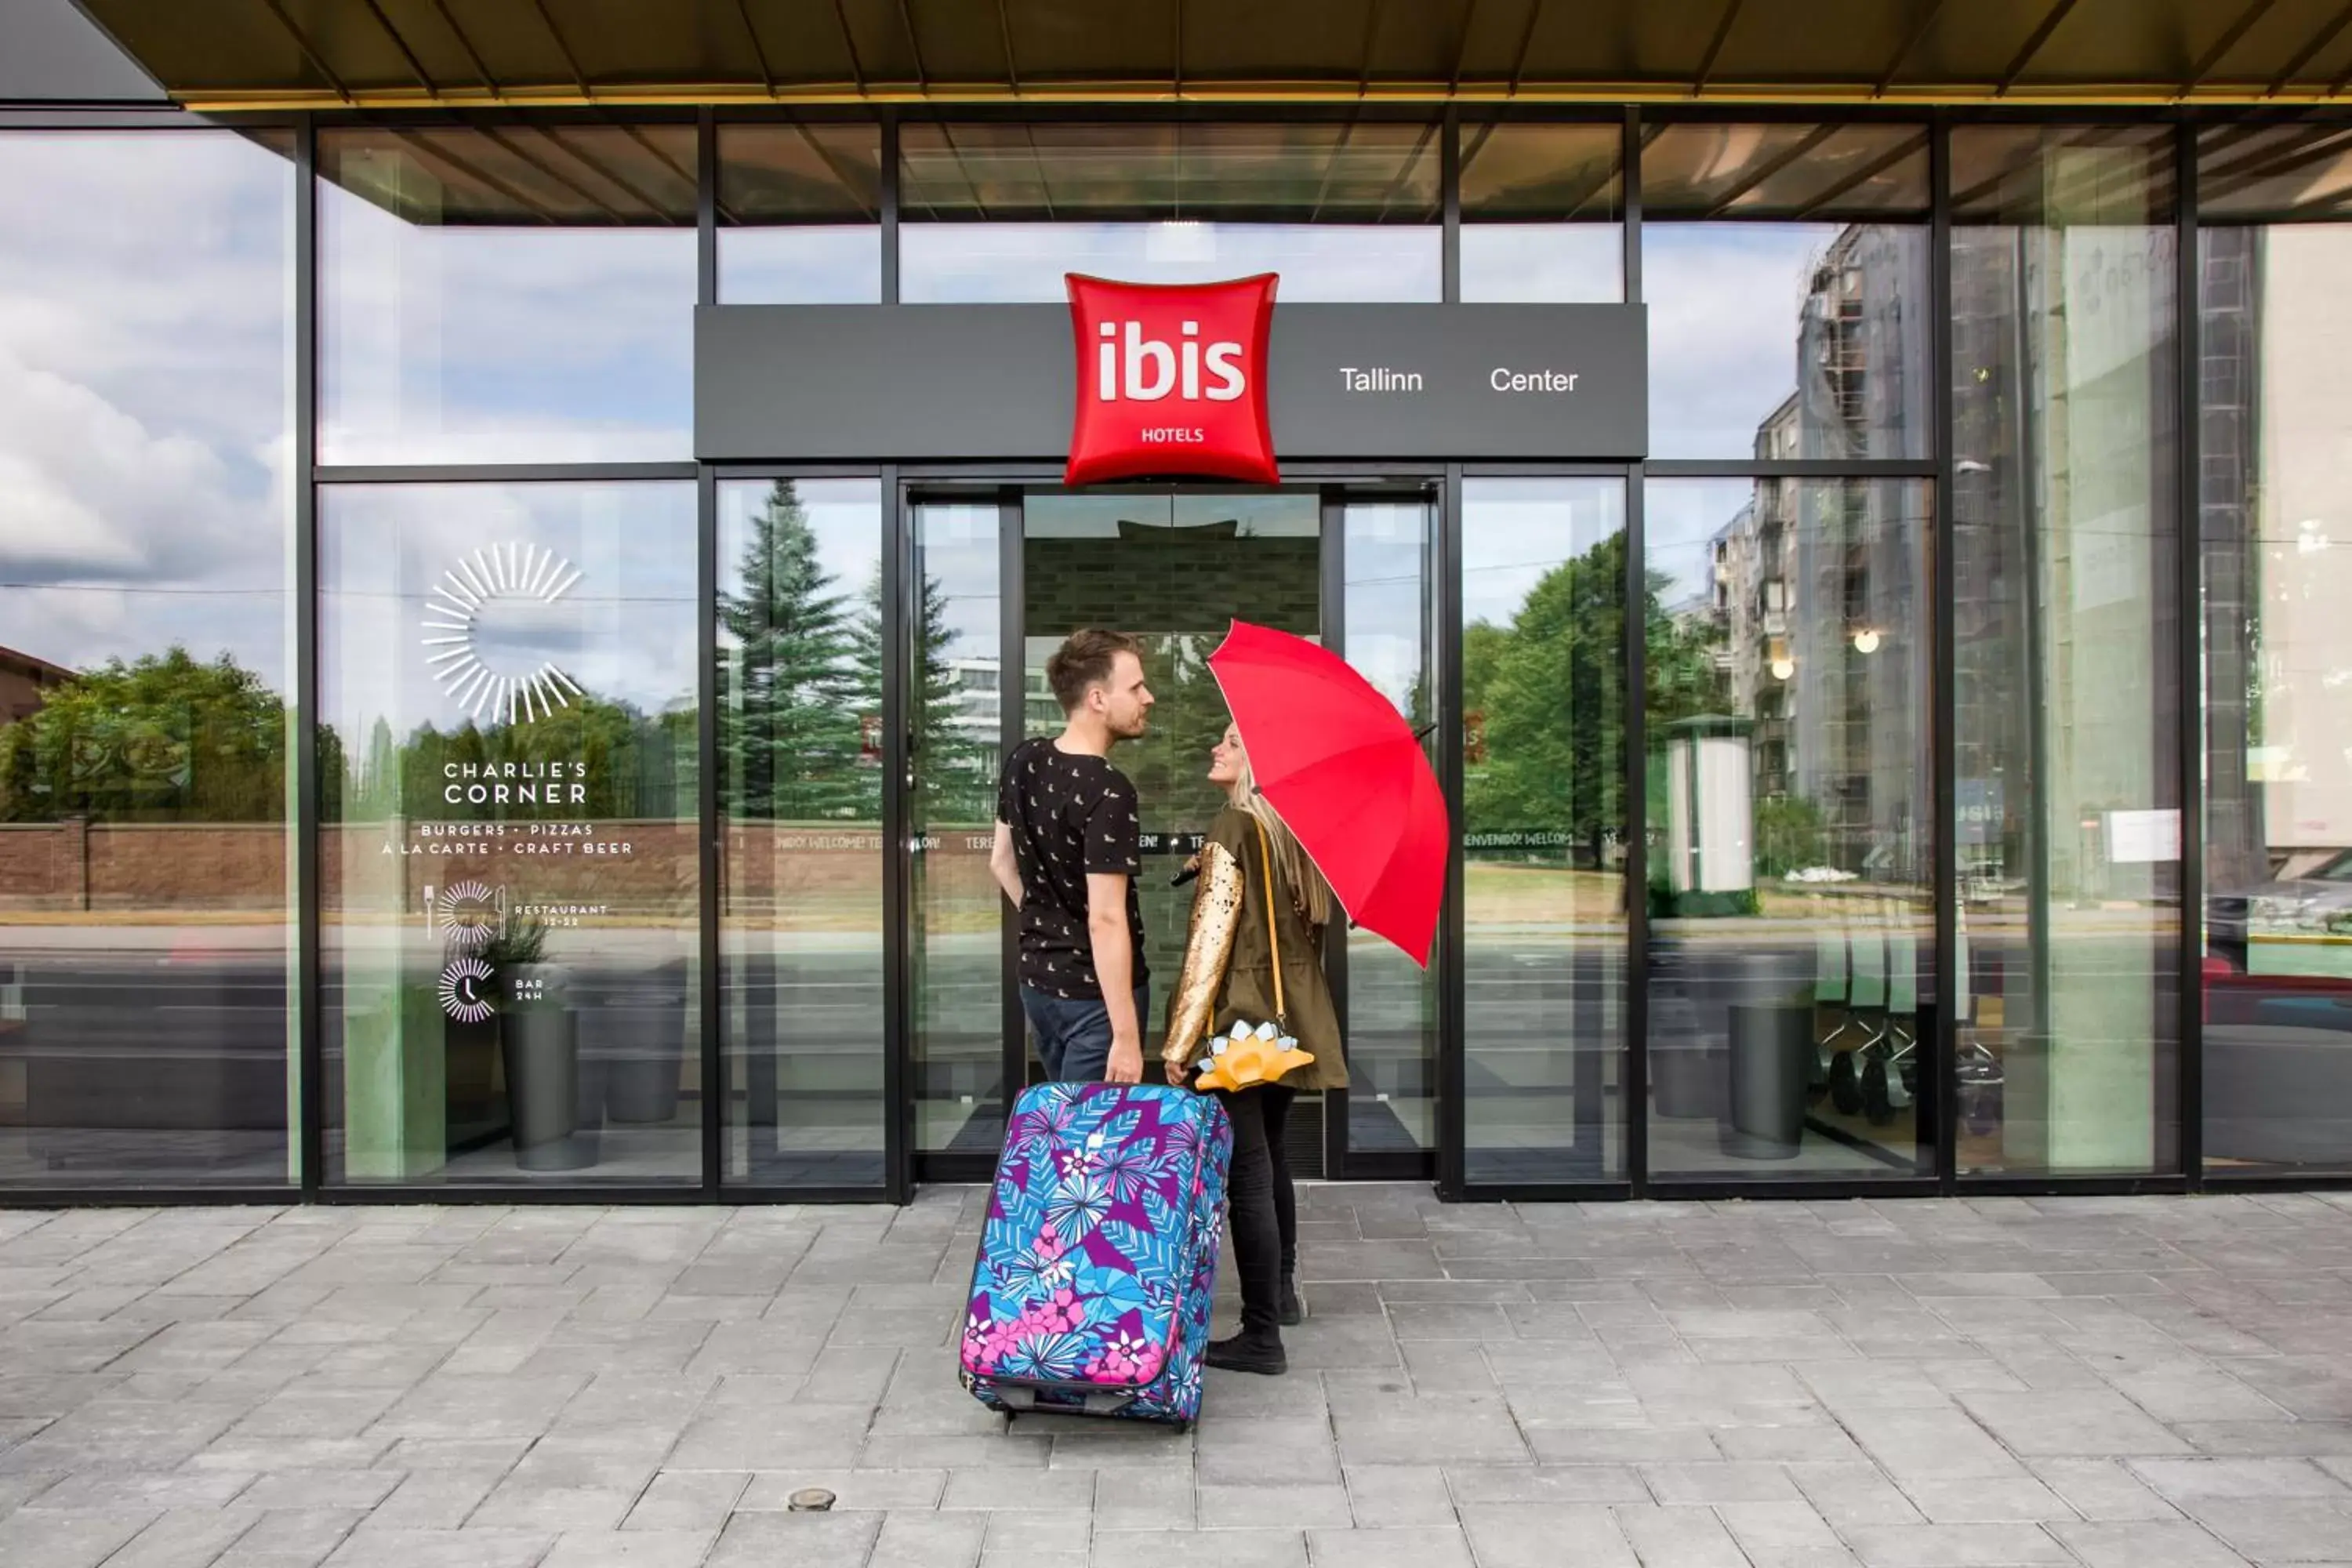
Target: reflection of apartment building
{"x":978,"y":701}
{"x":1821,"y":586}
{"x":25,"y":681}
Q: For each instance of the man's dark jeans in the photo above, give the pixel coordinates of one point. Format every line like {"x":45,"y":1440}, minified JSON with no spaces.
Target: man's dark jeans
{"x":1074,"y":1033}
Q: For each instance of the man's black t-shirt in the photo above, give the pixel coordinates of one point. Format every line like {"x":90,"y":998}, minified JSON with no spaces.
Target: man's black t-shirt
{"x":1070,"y":815}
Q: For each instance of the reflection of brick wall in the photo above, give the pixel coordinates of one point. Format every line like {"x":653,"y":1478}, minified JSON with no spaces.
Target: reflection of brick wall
{"x":161,"y":865}
{"x":1135,"y":583}
{"x":767,"y":866}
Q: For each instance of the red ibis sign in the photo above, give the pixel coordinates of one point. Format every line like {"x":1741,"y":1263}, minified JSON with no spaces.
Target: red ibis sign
{"x":1171,"y":380}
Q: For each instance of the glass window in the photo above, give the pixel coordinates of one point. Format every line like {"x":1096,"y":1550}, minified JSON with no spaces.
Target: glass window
{"x":2067,"y":826}
{"x":510,"y":878}
{"x":958,"y":1020}
{"x":146,"y":423}
{"x":800,"y":796}
{"x":1543,"y":213}
{"x":1791,"y":792}
{"x":1001,"y":212}
{"x":1544,"y":828}
{"x":516,"y":294}
{"x":800,"y":213}
{"x":1388,"y":625}
{"x":2276,"y":516}
{"x":1785,"y":268}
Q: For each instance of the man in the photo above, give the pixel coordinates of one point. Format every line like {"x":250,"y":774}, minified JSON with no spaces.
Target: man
{"x":1067,"y":853}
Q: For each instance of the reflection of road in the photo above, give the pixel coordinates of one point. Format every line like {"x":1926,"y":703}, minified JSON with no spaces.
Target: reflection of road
{"x":182,"y":1029}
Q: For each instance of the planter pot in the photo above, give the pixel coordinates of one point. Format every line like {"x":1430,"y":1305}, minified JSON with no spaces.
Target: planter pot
{"x":1685,"y":1081}
{"x":633,"y":1029}
{"x":469,"y":1054}
{"x":543,"y":1063}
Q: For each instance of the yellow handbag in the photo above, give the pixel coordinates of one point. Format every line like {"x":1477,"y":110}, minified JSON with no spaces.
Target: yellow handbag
{"x":1250,"y":1055}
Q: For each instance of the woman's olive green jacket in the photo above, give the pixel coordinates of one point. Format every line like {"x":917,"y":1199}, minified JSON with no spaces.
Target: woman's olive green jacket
{"x":1228,"y":972}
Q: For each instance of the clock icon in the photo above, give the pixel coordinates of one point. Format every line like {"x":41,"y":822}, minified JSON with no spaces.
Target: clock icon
{"x":465,"y":993}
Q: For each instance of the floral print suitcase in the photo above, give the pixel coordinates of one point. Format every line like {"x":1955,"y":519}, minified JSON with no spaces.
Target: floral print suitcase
{"x":1091,"y":1292}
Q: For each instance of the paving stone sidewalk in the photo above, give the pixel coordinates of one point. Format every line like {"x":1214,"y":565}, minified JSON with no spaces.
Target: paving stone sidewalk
{"x":2132,"y":1383}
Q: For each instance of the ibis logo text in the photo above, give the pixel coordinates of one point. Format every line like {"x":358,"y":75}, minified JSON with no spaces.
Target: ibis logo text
{"x":1171,"y":380}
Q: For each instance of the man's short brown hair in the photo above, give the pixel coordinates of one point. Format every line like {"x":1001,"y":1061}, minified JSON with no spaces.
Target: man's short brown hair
{"x":1086,"y":658}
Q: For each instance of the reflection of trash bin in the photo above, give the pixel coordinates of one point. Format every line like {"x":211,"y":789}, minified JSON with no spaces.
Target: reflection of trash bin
{"x":1686,"y":1075}
{"x":632,"y":1027}
{"x":1771,"y":1050}
{"x":543,"y":1063}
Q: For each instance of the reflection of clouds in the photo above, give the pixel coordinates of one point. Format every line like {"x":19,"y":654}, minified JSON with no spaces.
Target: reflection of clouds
{"x":145,"y":448}
{"x":1001,"y":262}
{"x":1679,"y":520}
{"x":456,"y":345}
{"x":812,"y":264}
{"x":1516,"y":530}
{"x":1386,"y":617}
{"x":1553,"y":263}
{"x":844,"y":516}
{"x":1724,"y":300}
{"x":627,"y":626}
{"x":956,"y":547}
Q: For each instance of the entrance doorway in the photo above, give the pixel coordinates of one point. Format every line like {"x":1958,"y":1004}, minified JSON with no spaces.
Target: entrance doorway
{"x":997,"y":579}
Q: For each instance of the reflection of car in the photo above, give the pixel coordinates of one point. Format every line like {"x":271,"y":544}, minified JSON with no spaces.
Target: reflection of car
{"x":2318,"y":900}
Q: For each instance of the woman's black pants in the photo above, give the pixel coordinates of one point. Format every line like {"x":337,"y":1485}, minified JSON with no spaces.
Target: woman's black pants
{"x":1265,"y":1203}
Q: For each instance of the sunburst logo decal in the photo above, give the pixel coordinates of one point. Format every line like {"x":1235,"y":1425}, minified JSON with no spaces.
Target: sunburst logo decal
{"x":466,"y":990}
{"x":469,"y":913}
{"x":501,"y":573}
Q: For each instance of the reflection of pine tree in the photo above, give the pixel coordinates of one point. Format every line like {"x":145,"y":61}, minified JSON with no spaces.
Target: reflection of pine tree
{"x":956,"y":768}
{"x":1188,"y":719}
{"x":788,"y":729}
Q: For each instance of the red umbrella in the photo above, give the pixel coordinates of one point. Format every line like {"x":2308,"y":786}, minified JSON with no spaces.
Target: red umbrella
{"x":1349,"y":775}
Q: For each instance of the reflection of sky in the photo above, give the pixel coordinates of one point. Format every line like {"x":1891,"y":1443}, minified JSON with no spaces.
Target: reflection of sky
{"x":956,"y":549}
{"x":1543,"y":263}
{"x":1515,"y":531}
{"x":844,"y":516}
{"x":146,"y":335}
{"x":809,"y":264}
{"x":1385,"y":621}
{"x":1724,"y":300}
{"x":1679,"y":520}
{"x":1006,"y":262}
{"x":501,"y":345}
{"x":625,"y":631}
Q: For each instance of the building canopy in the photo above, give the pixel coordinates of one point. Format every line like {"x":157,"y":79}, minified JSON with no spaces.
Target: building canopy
{"x":244,"y":54}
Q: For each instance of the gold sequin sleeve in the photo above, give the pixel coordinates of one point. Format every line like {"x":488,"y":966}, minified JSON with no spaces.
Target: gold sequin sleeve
{"x":1208,"y":949}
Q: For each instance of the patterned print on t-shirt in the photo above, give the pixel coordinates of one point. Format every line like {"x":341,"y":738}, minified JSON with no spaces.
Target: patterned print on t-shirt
{"x":1070,"y":815}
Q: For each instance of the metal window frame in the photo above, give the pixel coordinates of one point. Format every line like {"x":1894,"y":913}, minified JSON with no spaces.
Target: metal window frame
{"x":310,"y":974}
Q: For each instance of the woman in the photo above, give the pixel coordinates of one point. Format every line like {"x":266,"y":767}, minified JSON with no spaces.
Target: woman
{"x":1230,"y":965}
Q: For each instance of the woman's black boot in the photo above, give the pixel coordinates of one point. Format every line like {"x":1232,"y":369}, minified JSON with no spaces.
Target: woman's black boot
{"x":1252,"y":1349}
{"x":1292,"y":1315}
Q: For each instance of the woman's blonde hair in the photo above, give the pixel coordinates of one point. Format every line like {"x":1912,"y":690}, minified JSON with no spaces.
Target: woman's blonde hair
{"x":1308,"y":891}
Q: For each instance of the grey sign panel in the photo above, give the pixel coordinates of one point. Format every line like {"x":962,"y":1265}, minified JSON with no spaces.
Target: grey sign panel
{"x":942,"y":383}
